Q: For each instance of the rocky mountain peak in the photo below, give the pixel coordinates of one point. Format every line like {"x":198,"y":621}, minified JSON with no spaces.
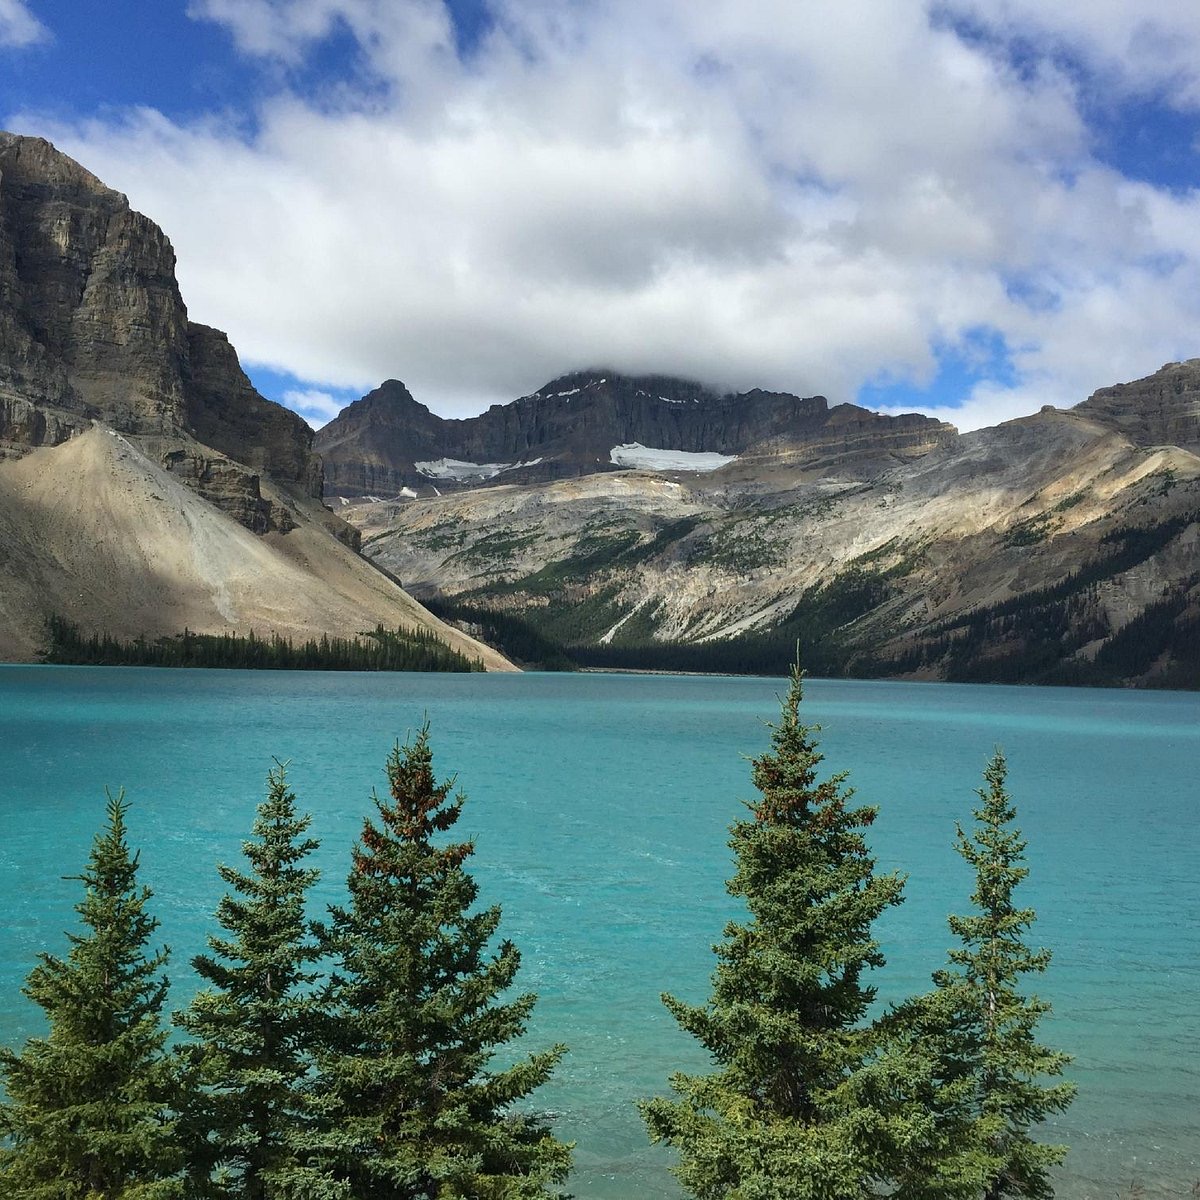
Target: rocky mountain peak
{"x":1161,"y":409}
{"x":93,"y":328}
{"x":600,"y":420}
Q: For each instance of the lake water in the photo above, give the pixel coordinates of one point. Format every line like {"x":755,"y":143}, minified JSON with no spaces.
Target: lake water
{"x":600,"y":803}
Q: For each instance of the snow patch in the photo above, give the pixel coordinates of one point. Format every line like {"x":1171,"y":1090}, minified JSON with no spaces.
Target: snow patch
{"x":646,"y":458}
{"x":407,"y":493}
{"x":452,"y":468}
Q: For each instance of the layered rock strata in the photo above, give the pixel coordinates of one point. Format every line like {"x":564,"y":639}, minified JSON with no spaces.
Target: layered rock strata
{"x":93,"y":328}
{"x":386,"y":441}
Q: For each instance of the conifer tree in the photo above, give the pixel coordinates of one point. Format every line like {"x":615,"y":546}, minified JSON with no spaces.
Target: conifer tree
{"x":255,"y":1026}
{"x":799,"y":1106}
{"x":979,"y":1027}
{"x":88,"y":1115}
{"x":413,"y":1109}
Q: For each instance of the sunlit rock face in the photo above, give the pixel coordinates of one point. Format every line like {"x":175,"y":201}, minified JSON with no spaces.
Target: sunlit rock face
{"x":93,"y":328}
{"x":1060,"y":547}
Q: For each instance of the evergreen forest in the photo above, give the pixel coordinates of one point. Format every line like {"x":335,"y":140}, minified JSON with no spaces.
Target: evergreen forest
{"x":370,"y":1055}
{"x":378,"y":649}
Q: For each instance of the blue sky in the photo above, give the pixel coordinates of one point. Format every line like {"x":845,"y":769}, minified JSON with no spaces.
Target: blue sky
{"x":972,"y":207}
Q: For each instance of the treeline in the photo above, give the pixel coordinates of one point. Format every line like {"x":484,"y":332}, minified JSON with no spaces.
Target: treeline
{"x":356,"y":1058}
{"x":378,"y":649}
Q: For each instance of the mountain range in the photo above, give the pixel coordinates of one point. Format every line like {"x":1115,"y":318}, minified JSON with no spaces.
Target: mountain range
{"x":1062,"y":547}
{"x":605,"y":519}
{"x":598,"y":420}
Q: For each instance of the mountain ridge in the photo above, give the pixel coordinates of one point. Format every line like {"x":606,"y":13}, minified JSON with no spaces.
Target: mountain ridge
{"x":1063,"y":546}
{"x":387,"y":441}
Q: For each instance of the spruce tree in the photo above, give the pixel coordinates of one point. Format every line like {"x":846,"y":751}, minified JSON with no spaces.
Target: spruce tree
{"x":979,"y":1029}
{"x":801,"y":1104}
{"x":253,"y":1028}
{"x":413,"y":1108}
{"x":88,"y":1114}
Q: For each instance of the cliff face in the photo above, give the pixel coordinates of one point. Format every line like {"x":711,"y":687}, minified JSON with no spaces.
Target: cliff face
{"x":145,"y":485}
{"x":1161,"y":410}
{"x":92,"y":327}
{"x":93,"y":321}
{"x":569,"y":428}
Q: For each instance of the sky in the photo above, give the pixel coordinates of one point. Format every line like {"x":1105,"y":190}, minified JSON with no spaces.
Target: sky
{"x":965,"y":207}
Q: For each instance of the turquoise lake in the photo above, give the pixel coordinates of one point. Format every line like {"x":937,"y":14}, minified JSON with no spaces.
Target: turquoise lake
{"x":599,"y":805}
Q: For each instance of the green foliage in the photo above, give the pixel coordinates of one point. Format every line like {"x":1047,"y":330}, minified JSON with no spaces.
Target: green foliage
{"x":515,"y":636}
{"x":801,"y":1104}
{"x":497,"y":548}
{"x":979,"y":1028}
{"x":412,"y":1109}
{"x":378,"y":649}
{"x":742,"y":545}
{"x":88,"y":1115}
{"x":246,"y":1120}
{"x":1030,"y":532}
{"x":1169,"y":628}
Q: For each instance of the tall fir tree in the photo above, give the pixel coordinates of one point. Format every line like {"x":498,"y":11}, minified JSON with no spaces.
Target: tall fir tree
{"x":413,"y":1108}
{"x":89,"y":1108}
{"x":801,"y":1105}
{"x":247,"y":1121}
{"x":979,"y":1028}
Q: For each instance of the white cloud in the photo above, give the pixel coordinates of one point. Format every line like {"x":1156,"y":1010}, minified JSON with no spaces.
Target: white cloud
{"x":796,"y":196}
{"x":315,"y":406}
{"x":18,"y":26}
{"x":1139,"y":46}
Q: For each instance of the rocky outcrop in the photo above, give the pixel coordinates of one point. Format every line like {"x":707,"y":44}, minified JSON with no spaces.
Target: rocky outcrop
{"x":24,"y":425}
{"x":1161,"y":410}
{"x":224,"y":411}
{"x":93,"y":328}
{"x":569,"y":427}
{"x":232,"y":488}
{"x":94,"y":322}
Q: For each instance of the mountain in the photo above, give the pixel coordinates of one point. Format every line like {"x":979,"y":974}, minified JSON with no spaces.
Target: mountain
{"x":1061,"y":547}
{"x":144,"y":484}
{"x":597,"y":421}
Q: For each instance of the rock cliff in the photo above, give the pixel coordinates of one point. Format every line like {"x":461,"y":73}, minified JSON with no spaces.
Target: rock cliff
{"x":1161,"y":410}
{"x":146,"y":485}
{"x":92,"y":327}
{"x":386,"y":441}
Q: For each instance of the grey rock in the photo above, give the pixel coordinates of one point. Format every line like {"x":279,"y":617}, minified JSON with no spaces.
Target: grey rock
{"x":570,"y":425}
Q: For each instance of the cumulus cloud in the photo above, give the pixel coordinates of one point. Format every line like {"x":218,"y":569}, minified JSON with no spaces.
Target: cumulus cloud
{"x":18,"y":26}
{"x":795,"y":196}
{"x":1136,"y":46}
{"x":315,"y":406}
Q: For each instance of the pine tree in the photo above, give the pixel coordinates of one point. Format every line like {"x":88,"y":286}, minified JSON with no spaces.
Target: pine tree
{"x":254,"y":1027}
{"x":412,"y":1107}
{"x":980,"y":1030}
{"x":88,"y":1115}
{"x":800,"y":1105}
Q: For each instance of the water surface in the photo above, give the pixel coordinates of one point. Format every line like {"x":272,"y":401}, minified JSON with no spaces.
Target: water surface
{"x":599,"y":805}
